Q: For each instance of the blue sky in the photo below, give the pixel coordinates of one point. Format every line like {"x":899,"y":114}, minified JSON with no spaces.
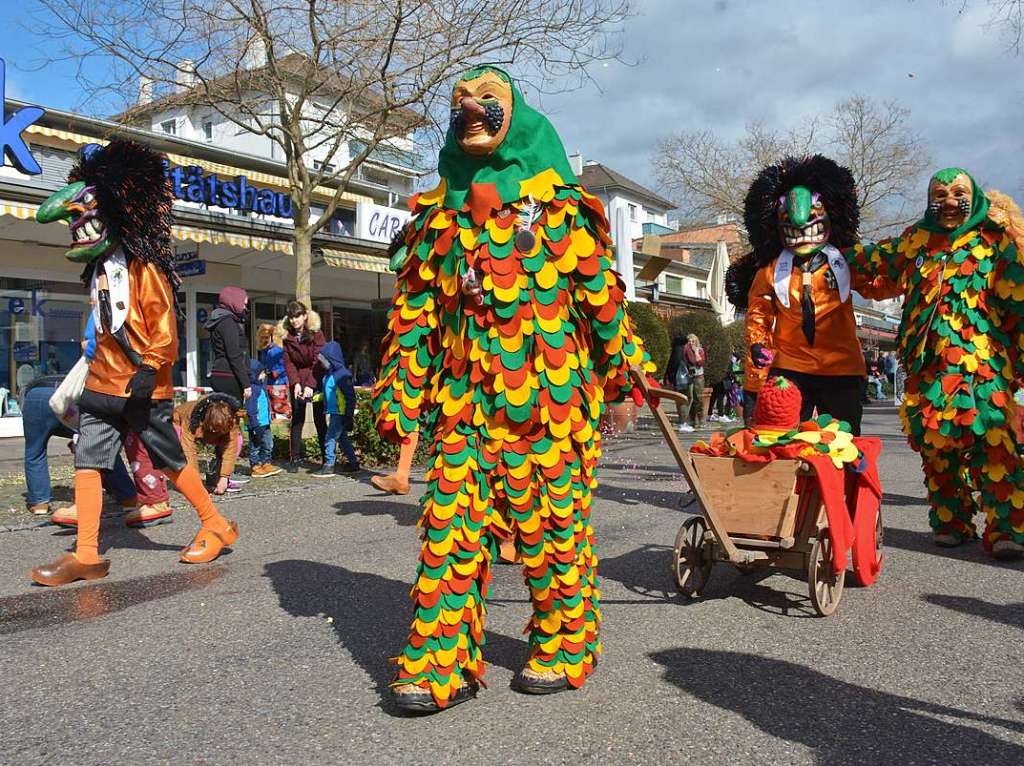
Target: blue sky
{"x":726,"y":63}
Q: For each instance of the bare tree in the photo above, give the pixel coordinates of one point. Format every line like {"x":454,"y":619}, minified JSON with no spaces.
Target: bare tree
{"x":332,"y":79}
{"x":711,"y":175}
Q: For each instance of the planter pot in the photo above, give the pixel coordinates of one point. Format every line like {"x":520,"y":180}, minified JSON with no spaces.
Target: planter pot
{"x":623,"y":417}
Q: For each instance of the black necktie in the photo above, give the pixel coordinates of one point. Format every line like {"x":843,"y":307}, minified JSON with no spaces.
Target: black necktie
{"x":808,"y":267}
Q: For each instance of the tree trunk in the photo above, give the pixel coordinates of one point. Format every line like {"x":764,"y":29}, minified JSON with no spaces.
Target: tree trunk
{"x":302,"y":241}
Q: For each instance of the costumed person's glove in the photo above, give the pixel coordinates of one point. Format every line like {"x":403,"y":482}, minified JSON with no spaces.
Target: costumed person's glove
{"x":142,"y":384}
{"x":761,"y":356}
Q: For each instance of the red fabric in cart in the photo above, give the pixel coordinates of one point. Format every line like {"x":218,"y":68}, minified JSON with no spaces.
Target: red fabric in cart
{"x":850,"y":500}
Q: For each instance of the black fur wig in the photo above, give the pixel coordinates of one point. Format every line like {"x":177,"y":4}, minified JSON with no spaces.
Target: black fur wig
{"x":135,"y":200}
{"x":760,"y":214}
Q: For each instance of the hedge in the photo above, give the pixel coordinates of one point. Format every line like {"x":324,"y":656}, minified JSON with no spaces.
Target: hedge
{"x":651,"y":329}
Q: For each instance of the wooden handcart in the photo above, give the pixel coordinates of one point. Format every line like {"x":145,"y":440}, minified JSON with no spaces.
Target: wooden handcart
{"x":752,"y":515}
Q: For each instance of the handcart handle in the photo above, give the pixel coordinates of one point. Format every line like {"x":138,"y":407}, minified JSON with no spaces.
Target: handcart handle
{"x":640,"y":380}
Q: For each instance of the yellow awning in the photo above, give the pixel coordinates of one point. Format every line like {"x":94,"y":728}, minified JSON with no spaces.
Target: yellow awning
{"x":266,"y":179}
{"x":21,"y":210}
{"x":343,"y":259}
{"x":246,"y":241}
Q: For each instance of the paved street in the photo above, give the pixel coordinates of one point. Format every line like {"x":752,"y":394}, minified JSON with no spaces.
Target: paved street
{"x":278,"y":652}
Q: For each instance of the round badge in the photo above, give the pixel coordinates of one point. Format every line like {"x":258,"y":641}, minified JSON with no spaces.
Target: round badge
{"x":920,"y":261}
{"x":525,"y":240}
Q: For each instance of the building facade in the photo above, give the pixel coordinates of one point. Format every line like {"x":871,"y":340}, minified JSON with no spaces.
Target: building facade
{"x":232,"y":227}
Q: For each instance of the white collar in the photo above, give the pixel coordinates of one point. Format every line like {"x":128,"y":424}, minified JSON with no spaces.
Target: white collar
{"x":115,"y":266}
{"x":836,"y":262}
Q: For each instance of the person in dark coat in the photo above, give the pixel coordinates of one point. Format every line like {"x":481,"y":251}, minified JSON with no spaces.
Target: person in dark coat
{"x":230,"y":347}
{"x":303,"y":342}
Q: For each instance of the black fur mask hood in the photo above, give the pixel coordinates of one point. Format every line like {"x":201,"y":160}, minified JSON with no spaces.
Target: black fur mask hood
{"x":818,"y":173}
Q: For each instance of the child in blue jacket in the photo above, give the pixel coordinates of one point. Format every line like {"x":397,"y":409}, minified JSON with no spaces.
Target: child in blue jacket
{"x":261,"y":440}
{"x":339,"y":405}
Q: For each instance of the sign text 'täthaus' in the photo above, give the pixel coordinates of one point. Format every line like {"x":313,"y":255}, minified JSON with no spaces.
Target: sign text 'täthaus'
{"x":193,"y":185}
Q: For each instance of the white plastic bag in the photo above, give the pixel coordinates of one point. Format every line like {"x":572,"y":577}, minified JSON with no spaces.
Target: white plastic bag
{"x":64,"y":401}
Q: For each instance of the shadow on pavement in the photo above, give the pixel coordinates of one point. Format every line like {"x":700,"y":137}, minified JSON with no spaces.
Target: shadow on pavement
{"x":371,"y":614}
{"x":404,"y":514}
{"x":53,"y":607}
{"x":114,"y":534}
{"x":673,"y":500}
{"x":921,"y":542}
{"x":647,"y":571}
{"x":842,"y":723}
{"x":900,"y":501}
{"x":1007,"y":614}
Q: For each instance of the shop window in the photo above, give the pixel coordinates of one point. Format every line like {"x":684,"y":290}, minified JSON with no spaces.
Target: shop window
{"x":342,"y":223}
{"x":41,"y":325}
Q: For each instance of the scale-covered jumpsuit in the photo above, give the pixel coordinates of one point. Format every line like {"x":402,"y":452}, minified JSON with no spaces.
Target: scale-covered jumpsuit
{"x":959,"y":341}
{"x":513,"y":390}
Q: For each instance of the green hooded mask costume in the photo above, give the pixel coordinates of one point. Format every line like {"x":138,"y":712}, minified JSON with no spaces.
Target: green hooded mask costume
{"x":531,"y":146}
{"x":979,"y":205}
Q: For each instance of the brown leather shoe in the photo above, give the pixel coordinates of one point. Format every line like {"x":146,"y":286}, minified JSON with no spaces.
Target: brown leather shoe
{"x":391,"y":484}
{"x":208,"y":545}
{"x":149,"y":515}
{"x":68,"y":569}
{"x":39,"y":509}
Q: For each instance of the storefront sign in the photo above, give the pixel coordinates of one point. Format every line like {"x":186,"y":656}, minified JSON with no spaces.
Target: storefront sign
{"x":185,"y":257}
{"x":25,"y":351}
{"x":190,"y":269}
{"x":379,"y":223}
{"x":16,"y":306}
{"x":193,"y":185}
{"x":12,"y":145}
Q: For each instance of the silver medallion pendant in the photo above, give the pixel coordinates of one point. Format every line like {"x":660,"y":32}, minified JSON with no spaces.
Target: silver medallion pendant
{"x":525,"y":240}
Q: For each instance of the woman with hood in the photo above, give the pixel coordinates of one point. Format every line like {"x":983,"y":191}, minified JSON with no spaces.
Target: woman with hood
{"x":303,"y":342}
{"x":230,"y":369}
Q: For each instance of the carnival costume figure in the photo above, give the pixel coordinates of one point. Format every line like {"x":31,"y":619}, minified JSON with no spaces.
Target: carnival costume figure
{"x":118,"y":205}
{"x":508,"y":336}
{"x":960,"y":273}
{"x":796,"y":286}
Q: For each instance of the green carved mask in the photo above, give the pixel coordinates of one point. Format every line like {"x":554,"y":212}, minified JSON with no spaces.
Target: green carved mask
{"x":803,"y":221}
{"x":77,"y":204}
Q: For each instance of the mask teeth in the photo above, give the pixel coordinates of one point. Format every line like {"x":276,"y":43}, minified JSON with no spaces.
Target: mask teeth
{"x":934,"y":207}
{"x":964,"y":206}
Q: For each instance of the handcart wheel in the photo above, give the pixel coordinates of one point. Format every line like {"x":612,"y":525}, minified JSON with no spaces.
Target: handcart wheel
{"x":691,"y":557}
{"x":825,"y":586}
{"x":877,"y":553}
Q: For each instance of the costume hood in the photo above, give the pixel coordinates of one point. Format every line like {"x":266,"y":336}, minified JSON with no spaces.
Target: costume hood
{"x":818,"y":173}
{"x":531,"y":147}
{"x":979,"y":205}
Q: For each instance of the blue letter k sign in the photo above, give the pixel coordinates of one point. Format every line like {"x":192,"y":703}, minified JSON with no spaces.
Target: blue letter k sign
{"x":12,"y":145}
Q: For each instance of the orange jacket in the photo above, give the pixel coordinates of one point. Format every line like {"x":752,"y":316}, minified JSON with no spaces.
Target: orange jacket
{"x":836,"y":350}
{"x":152,"y":332}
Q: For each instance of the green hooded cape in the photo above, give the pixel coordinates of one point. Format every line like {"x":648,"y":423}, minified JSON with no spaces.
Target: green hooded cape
{"x":979,"y":205}
{"x":531,"y":146}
